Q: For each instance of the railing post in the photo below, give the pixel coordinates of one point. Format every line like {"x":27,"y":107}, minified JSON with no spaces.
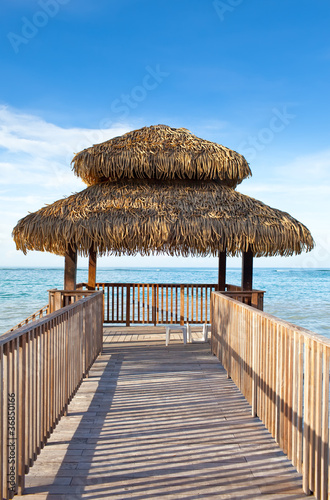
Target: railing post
{"x":181,"y":305}
{"x":128,"y":305}
{"x":153,"y":302}
{"x":254,"y":365}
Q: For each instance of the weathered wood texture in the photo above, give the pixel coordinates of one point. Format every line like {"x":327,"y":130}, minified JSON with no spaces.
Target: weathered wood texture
{"x":41,"y":367}
{"x":283,"y":371}
{"x":161,"y":423}
{"x":63,"y":298}
{"x":160,"y":303}
{"x":92,"y":269}
{"x":70,"y":269}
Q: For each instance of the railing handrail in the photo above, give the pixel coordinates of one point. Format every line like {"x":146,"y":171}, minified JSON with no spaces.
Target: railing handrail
{"x":283,"y":370}
{"x":42,"y":365}
{"x":11,"y":335}
{"x":39,"y":313}
{"x":107,"y":283}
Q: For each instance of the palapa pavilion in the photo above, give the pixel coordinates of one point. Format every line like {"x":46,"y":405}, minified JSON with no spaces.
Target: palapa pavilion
{"x":155,"y":420}
{"x":161,"y":190}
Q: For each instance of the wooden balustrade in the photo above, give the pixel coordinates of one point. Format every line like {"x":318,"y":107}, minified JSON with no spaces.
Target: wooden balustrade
{"x":40,"y":313}
{"x":41,"y":367}
{"x":165,"y":303}
{"x":63,"y":298}
{"x":283,"y":371}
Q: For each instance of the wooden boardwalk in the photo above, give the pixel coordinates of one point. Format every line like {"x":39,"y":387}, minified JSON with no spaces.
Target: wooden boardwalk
{"x":156,"y":422}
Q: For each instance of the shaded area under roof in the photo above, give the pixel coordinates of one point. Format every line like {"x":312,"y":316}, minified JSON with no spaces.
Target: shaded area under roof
{"x":160,"y":152}
{"x":152,"y":217}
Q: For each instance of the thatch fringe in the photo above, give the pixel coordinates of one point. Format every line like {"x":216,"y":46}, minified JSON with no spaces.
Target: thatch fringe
{"x":171,"y":217}
{"x":160,"y":152}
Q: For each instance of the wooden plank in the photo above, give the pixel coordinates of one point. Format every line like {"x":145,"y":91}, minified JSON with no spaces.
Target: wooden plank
{"x":128,"y":305}
{"x":318,"y":421}
{"x":312,"y":403}
{"x":300,"y":415}
{"x":21,"y":414}
{"x":92,"y":269}
{"x":182,"y":305}
{"x":295,"y":382}
{"x":325,"y":425}
{"x":289,"y":393}
{"x":307,"y":410}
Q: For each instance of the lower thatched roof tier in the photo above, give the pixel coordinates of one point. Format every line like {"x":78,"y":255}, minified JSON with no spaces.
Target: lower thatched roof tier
{"x":150,"y":217}
{"x":160,"y":152}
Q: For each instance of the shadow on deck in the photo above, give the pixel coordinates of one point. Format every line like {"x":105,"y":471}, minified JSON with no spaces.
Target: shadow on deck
{"x":159,"y":422}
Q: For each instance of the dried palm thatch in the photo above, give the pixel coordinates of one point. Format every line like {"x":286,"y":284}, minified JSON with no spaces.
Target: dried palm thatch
{"x":160,"y":152}
{"x":172,"y":217}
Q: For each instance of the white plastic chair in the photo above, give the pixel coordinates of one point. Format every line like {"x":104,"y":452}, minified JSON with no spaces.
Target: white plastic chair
{"x":175,"y":328}
{"x":206,"y":329}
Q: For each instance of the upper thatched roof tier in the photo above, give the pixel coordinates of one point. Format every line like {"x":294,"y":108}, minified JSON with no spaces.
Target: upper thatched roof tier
{"x":160,"y":152}
{"x":171,"y":217}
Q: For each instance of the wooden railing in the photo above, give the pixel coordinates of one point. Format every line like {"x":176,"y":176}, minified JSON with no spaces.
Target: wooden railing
{"x":33,"y":317}
{"x":63,"y":298}
{"x":159,"y":303}
{"x":41,"y":367}
{"x":283,"y":371}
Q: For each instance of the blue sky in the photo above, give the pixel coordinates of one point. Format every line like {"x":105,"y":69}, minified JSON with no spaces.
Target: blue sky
{"x":250,"y":74}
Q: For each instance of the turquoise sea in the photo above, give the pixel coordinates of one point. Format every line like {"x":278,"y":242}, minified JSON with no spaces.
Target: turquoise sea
{"x":300,"y":296}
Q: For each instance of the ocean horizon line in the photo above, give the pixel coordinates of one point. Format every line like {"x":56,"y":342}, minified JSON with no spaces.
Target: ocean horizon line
{"x":119,"y":268}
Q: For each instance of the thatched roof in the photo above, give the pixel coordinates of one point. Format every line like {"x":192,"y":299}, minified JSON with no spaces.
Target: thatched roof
{"x":172,"y":217}
{"x":160,"y":152}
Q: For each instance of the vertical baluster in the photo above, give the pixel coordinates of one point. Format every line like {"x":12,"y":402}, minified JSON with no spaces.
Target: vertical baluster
{"x":133,"y":314}
{"x":318,"y":421}
{"x":325,"y":425}
{"x":21,"y":412}
{"x":139,"y":304}
{"x":3,"y":422}
{"x":166,"y":304}
{"x":157,"y":303}
{"x":312,"y":399}
{"x":290,"y":391}
{"x":301,"y":350}
{"x":182,"y":305}
{"x":176,"y":304}
{"x":295,"y":397}
{"x":171,"y":291}
{"x":307,"y":407}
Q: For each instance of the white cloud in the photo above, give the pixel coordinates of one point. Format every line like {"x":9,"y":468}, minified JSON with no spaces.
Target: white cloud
{"x":23,"y":133}
{"x":35,"y":158}
{"x":313,"y":168}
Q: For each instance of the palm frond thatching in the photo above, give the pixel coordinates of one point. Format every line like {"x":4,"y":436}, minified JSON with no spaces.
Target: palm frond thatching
{"x":171,"y":217}
{"x":160,"y":152}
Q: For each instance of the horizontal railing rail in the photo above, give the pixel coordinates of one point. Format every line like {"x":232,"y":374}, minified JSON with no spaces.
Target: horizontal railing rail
{"x":283,"y":372}
{"x":40,"y":313}
{"x":41,"y":367}
{"x":165,"y":303}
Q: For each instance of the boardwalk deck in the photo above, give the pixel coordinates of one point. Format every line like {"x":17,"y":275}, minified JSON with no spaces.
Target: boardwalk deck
{"x":156,"y":422}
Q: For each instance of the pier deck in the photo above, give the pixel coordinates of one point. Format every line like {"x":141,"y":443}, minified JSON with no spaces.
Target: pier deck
{"x":156,"y":422}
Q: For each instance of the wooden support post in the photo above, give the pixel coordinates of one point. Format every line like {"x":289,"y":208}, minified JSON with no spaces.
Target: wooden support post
{"x":222,"y":271}
{"x":70,"y":270}
{"x":247,"y":270}
{"x":92,"y":269}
